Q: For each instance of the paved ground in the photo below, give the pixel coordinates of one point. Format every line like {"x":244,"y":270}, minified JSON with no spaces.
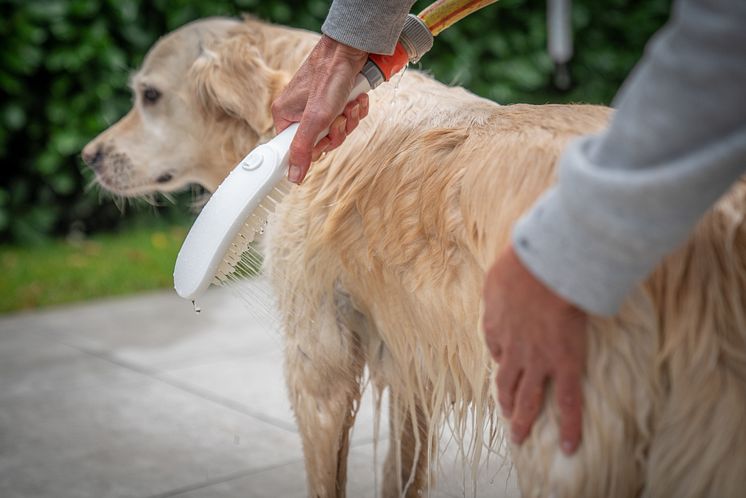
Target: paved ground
{"x":142,"y":397}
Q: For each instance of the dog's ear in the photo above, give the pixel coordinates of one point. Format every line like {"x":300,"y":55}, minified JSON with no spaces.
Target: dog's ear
{"x":232,"y":78}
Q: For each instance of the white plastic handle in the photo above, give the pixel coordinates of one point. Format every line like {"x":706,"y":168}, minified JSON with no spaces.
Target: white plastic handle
{"x":229,"y":207}
{"x":283,"y":139}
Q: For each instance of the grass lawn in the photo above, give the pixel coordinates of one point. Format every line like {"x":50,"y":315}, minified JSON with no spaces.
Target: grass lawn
{"x":104,"y":265}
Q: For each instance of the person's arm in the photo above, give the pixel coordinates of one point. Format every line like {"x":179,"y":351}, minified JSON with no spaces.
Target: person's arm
{"x":623,"y":199}
{"x":370,"y":26}
{"x":676,"y":143}
{"x":317,"y":94}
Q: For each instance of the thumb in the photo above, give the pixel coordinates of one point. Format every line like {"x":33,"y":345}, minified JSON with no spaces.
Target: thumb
{"x":301,"y":149}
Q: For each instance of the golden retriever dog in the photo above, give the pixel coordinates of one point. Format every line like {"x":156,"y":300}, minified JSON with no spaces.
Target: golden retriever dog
{"x":378,"y":260}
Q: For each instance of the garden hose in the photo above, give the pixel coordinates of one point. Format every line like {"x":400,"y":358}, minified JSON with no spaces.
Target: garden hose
{"x":444,"y":13}
{"x":417,"y":36}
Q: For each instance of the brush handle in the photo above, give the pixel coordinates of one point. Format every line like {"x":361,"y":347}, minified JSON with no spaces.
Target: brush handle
{"x":281,"y":143}
{"x":230,"y":206}
{"x":273,"y":156}
{"x":237,"y":204}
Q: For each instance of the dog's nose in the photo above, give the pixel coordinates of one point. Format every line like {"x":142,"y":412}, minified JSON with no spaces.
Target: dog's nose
{"x":93,"y":157}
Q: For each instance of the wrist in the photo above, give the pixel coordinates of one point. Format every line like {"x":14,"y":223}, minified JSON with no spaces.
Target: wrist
{"x":545,"y":295}
{"x":341,"y":53}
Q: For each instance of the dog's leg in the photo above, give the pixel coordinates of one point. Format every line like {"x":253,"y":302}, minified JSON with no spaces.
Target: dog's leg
{"x":324,"y":368}
{"x":405,"y":470}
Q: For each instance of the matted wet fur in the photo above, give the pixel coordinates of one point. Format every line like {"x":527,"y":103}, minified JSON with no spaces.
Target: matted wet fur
{"x":378,"y":261}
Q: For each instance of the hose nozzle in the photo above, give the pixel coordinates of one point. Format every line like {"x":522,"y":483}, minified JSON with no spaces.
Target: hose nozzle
{"x":415,"y":40}
{"x":416,"y":37}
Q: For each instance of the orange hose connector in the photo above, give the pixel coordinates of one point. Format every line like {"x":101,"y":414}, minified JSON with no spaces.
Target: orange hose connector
{"x":444,"y":13}
{"x":391,"y":64}
{"x":435,"y":18}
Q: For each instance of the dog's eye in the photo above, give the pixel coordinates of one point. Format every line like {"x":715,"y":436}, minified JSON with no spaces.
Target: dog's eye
{"x":150,"y":95}
{"x":165,"y":178}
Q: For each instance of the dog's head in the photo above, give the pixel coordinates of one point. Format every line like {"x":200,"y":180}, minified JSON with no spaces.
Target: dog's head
{"x":201,"y":100}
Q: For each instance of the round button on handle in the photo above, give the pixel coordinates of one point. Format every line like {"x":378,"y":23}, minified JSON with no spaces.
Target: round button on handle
{"x":253,"y":161}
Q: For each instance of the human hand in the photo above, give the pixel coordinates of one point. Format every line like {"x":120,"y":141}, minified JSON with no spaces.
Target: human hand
{"x":317,"y":97}
{"x":534,"y":335}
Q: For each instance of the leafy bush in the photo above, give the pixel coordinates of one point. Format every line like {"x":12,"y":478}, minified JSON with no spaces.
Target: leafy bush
{"x":65,"y":64}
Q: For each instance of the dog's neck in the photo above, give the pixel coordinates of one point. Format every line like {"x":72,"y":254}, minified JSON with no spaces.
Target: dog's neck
{"x":282,"y":48}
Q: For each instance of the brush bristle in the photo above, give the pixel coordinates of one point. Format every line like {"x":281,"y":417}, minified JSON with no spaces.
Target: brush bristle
{"x":242,"y":260}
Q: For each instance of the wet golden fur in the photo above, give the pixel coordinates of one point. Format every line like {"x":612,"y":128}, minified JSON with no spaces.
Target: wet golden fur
{"x":378,"y":260}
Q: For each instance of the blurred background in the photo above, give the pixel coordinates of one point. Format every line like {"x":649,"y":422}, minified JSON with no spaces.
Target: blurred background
{"x":64,"y":68}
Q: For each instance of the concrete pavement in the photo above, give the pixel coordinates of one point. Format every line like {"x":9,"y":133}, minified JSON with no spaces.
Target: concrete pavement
{"x":142,"y":397}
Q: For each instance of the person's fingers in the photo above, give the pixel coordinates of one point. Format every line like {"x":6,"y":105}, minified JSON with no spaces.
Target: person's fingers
{"x":322,"y":111}
{"x":302,"y":147}
{"x":364,"y":102}
{"x":352,"y":115}
{"x":281,"y":117}
{"x":281,"y":124}
{"x":321,"y":147}
{"x":288,"y":107}
{"x":311,"y":125}
{"x":337,"y":132}
{"x":300,"y":155}
{"x":569,"y":396}
{"x":492,"y":327}
{"x":528,"y":403}
{"x":508,"y":375}
{"x":315,"y":95}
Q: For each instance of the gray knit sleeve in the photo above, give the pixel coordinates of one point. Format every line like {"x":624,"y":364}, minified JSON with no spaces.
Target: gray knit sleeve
{"x":372,"y":26}
{"x":677,"y":142}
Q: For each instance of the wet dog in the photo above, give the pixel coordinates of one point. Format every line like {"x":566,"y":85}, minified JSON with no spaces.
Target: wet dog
{"x":378,"y":259}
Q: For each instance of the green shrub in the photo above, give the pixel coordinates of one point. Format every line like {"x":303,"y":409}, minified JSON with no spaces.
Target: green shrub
{"x":65,"y":64}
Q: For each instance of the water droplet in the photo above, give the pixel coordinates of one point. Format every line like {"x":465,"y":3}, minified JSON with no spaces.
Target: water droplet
{"x":396,"y":80}
{"x":197,"y":309}
{"x":400,"y":76}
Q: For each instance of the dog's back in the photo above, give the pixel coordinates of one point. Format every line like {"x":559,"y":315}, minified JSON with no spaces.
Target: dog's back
{"x":378,"y":260}
{"x":401,"y":224}
{"x":665,"y":390}
{"x":404,"y":221}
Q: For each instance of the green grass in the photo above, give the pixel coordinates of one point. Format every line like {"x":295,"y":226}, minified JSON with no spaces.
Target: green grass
{"x":64,"y":271}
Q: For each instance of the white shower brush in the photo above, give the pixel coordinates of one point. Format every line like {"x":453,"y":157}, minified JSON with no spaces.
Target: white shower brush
{"x":219,"y":241}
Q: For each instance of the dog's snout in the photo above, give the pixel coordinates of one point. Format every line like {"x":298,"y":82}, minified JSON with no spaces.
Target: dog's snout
{"x":93,"y":157}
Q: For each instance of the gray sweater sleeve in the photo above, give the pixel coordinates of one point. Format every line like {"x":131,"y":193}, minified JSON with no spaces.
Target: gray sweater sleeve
{"x":625,"y":198}
{"x":372,"y":26}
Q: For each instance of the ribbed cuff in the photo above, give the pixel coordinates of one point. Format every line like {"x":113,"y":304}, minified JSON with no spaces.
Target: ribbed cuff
{"x":373,"y":27}
{"x":582,"y":267}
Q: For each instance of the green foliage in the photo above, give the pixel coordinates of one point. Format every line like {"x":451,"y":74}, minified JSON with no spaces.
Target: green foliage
{"x":65,"y":64}
{"x":501,"y":52}
{"x":64,"y":271}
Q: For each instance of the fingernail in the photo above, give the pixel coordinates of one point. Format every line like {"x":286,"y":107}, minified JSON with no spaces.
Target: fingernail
{"x":567,"y":447}
{"x":294,"y":174}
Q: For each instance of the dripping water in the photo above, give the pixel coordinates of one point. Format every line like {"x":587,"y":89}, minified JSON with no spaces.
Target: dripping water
{"x":396,"y":81}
